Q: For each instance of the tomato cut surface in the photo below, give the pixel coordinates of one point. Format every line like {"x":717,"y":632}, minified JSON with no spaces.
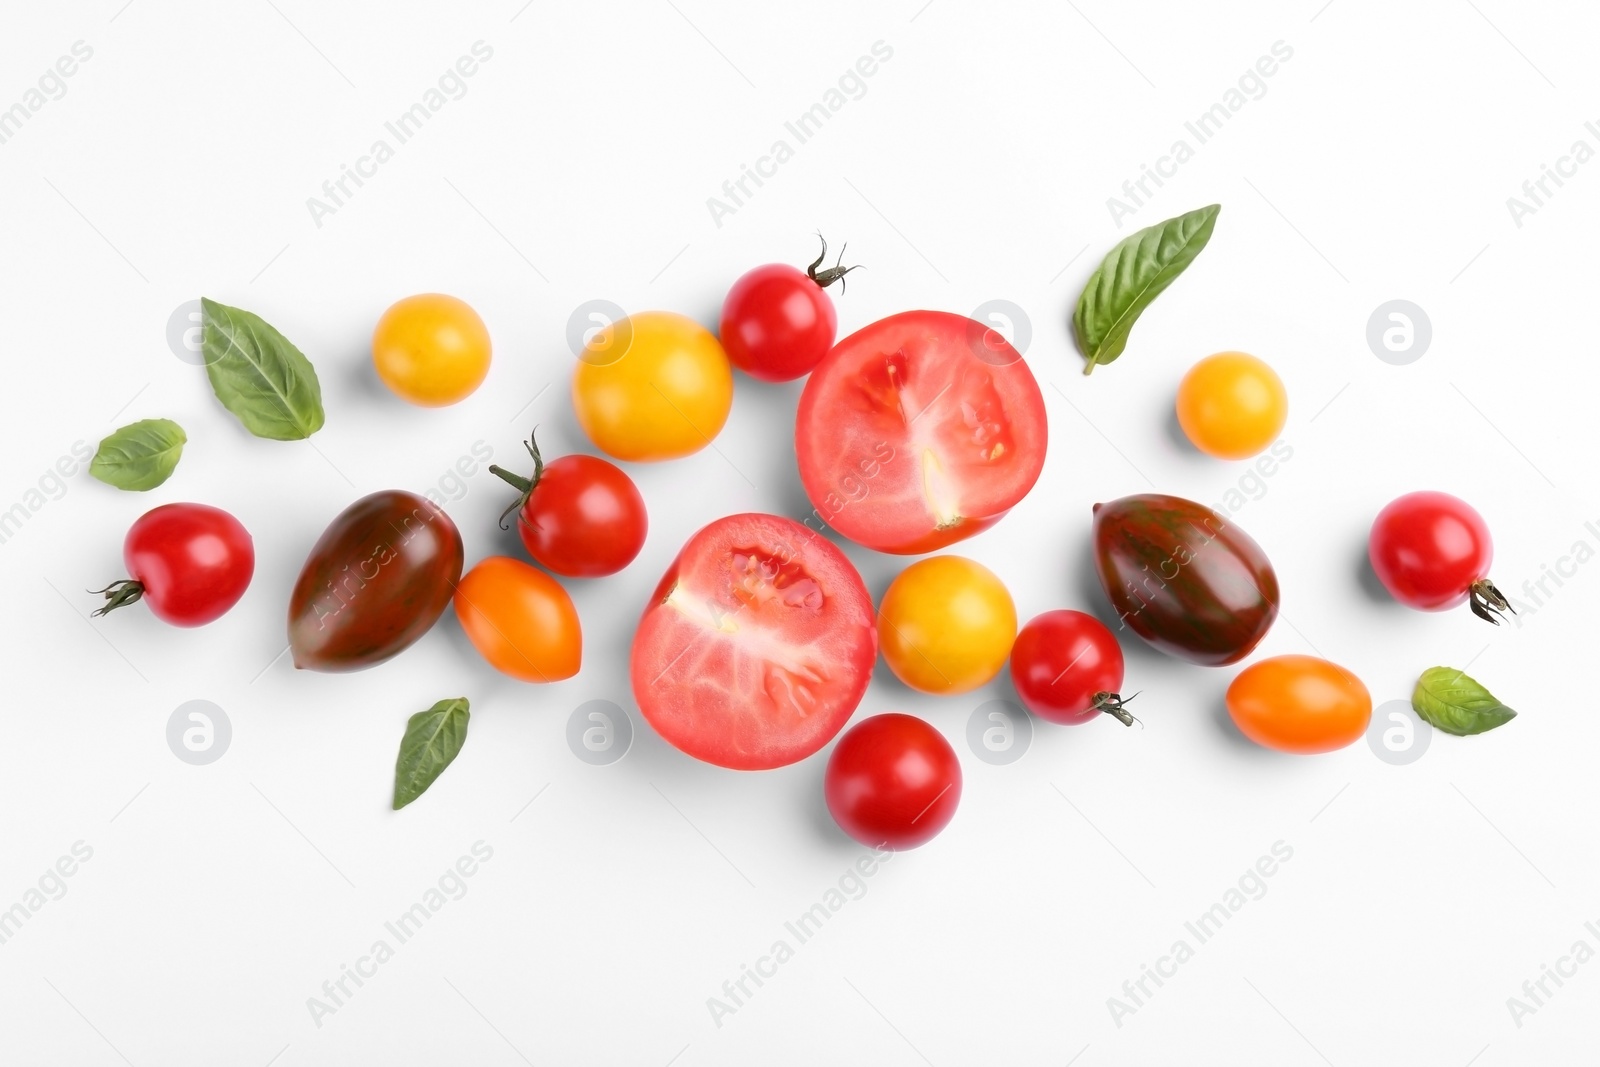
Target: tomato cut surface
{"x":918,"y":431}
{"x":756,"y":646}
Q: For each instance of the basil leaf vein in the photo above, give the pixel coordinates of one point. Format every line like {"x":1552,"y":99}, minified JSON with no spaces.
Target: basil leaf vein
{"x":432,"y":740}
{"x":1131,"y":276}
{"x":139,"y":456}
{"x":1456,"y":703}
{"x":263,"y":379}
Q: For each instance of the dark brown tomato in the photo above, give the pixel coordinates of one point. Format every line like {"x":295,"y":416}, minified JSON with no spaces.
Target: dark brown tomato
{"x":1185,"y":579}
{"x":377,"y":579}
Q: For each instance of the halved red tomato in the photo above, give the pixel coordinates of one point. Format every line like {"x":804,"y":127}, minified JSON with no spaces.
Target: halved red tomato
{"x":919,"y":431}
{"x":757,"y":645}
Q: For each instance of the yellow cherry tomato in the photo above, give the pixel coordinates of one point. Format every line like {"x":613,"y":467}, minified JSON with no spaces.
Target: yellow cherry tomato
{"x":520,"y":619}
{"x":431,"y":349}
{"x":946,"y":625}
{"x":1299,"y":704}
{"x":652,"y":386}
{"x":1232,"y":405}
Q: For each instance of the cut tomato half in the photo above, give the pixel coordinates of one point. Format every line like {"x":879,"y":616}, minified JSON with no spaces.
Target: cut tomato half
{"x":919,"y":431}
{"x":756,"y":646}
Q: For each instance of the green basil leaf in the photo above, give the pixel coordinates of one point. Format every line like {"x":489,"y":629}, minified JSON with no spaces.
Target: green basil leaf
{"x":1131,"y":276}
{"x":1456,"y":704}
{"x":258,"y":375}
{"x":433,"y":740}
{"x":139,"y":456}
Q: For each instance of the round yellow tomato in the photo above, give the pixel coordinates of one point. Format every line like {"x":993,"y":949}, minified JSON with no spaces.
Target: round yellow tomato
{"x":1232,"y":405}
{"x":1299,"y":704}
{"x":653,"y":386}
{"x":431,"y":349}
{"x":946,"y":625}
{"x":520,"y":619}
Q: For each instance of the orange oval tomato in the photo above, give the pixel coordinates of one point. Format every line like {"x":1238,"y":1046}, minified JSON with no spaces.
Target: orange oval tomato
{"x":520,"y":619}
{"x":1232,"y":405}
{"x":1299,"y":704}
{"x":431,"y":349}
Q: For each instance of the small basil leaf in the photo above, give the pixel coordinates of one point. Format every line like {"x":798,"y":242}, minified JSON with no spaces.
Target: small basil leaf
{"x":1455,"y":703}
{"x":258,"y":375}
{"x":1131,"y":276}
{"x":432,"y":741}
{"x":139,"y":456}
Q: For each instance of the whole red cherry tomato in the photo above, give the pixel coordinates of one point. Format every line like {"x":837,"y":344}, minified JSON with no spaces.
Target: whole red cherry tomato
{"x":893,"y":781}
{"x":1067,"y":668}
{"x":777,"y":323}
{"x":1432,"y":551}
{"x":189,"y":562}
{"x":579,"y":515}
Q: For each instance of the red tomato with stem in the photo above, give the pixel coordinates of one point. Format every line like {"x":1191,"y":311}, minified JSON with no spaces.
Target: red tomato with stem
{"x":893,"y":781}
{"x":756,"y":646}
{"x":1067,"y":667}
{"x":189,"y":562}
{"x":919,"y":430}
{"x":1432,"y":551}
{"x":580,"y":516}
{"x":777,"y":323}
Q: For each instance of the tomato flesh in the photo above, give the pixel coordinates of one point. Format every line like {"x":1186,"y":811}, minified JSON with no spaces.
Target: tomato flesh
{"x":918,"y":431}
{"x":757,"y":645}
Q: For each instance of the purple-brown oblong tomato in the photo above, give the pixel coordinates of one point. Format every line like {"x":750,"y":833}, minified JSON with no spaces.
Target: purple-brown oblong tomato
{"x":377,"y":579}
{"x":1185,"y":579}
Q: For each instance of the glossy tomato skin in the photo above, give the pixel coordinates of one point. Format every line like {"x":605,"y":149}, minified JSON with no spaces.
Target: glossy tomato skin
{"x":1067,"y":667}
{"x":431,"y":349}
{"x":777,"y":323}
{"x":654,"y":386}
{"x":893,"y":781}
{"x":1232,"y":405}
{"x":1428,"y":549}
{"x":1299,"y":704}
{"x":520,"y":620}
{"x":756,"y":646}
{"x":193,"y":560}
{"x":1188,"y":581}
{"x":946,"y":624}
{"x":918,"y":431}
{"x":585,"y":518}
{"x":377,"y":579}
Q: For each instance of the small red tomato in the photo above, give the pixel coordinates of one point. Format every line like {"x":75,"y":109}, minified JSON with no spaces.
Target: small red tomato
{"x":1432,"y":551}
{"x":189,"y":562}
{"x":1067,"y":668}
{"x":580,"y":516}
{"x":777,"y":323}
{"x":893,"y":781}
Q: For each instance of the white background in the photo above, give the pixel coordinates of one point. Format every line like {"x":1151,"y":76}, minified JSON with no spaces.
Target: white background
{"x":976,"y":167}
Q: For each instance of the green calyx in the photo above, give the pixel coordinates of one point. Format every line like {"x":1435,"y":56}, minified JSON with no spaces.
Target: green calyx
{"x":525,"y":486}
{"x":118,"y":594}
